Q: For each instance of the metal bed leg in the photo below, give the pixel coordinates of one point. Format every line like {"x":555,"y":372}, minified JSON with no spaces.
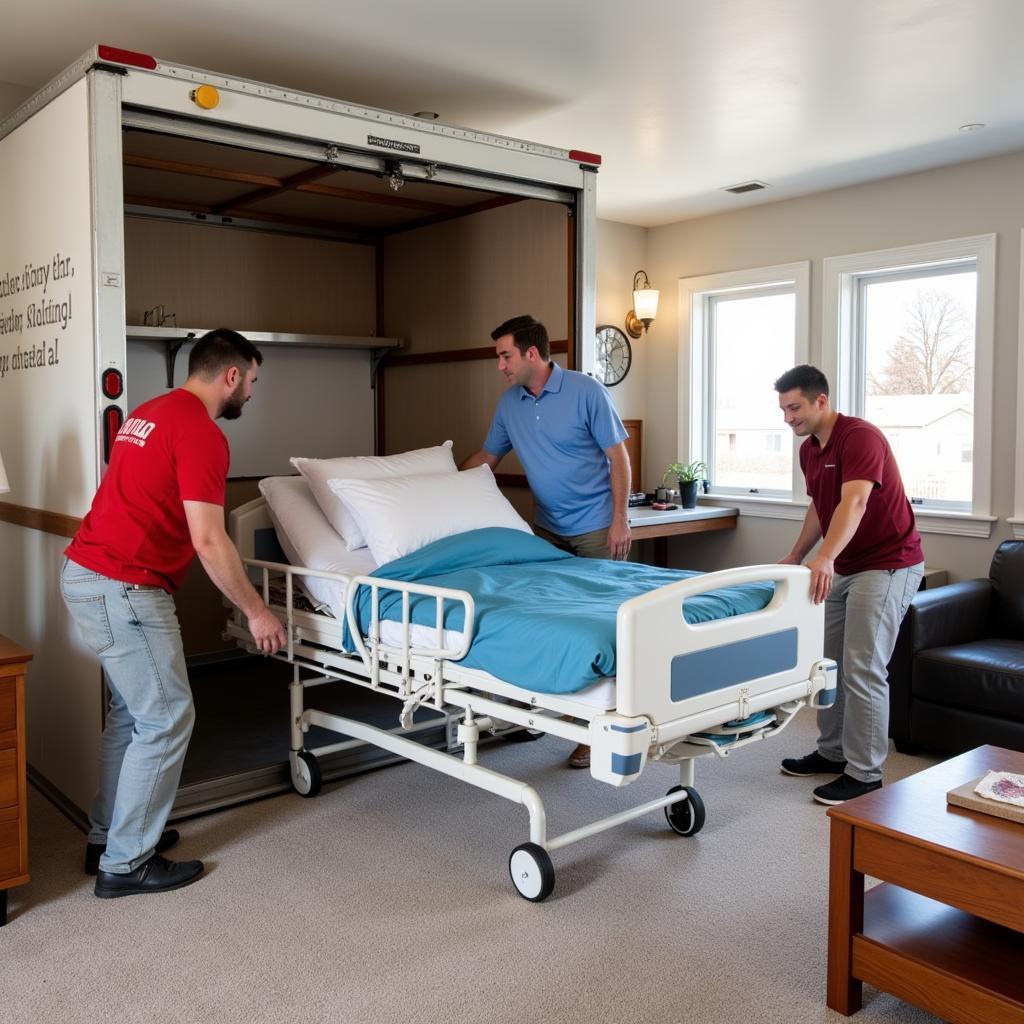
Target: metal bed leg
{"x":296,"y":697}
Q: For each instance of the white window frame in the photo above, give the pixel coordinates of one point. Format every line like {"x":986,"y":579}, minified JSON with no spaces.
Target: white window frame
{"x":696,"y":374}
{"x":842,"y":359}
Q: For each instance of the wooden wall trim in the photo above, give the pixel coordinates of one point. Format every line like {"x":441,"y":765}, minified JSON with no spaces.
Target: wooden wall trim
{"x":458,"y":355}
{"x":39,"y":519}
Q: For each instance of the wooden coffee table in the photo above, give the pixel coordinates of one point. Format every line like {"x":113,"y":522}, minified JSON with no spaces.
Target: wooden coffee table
{"x":946,"y":932}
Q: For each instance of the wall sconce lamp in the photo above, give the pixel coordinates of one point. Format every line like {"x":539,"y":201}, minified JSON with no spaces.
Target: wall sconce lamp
{"x":645,"y":305}
{"x":4,"y":485}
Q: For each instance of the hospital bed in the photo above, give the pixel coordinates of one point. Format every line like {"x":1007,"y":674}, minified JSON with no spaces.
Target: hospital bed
{"x":681,"y":691}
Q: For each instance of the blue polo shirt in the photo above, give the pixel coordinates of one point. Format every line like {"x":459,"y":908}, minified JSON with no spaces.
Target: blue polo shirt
{"x":560,"y":437}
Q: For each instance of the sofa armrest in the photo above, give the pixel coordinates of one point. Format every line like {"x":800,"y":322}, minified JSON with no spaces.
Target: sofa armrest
{"x":953,"y":614}
{"x":950,"y":615}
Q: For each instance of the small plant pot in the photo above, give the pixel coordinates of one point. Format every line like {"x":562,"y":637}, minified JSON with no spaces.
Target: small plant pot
{"x":688,"y":493}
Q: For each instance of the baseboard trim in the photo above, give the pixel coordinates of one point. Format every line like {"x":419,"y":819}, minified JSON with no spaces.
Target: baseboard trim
{"x":66,"y":806}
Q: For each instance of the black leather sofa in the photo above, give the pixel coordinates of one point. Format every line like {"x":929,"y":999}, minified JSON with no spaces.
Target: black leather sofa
{"x":956,"y":679}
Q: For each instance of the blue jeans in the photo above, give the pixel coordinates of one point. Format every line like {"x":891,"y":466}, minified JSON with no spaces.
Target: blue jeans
{"x":134,"y":630}
{"x":863,"y":613}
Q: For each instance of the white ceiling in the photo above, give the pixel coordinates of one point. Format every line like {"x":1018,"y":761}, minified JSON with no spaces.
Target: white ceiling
{"x":681,"y":97}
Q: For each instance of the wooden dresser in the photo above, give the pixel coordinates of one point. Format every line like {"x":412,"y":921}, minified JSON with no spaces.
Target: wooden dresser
{"x":13,"y":792}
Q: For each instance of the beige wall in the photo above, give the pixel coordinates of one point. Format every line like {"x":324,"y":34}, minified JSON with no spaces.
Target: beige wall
{"x":949,"y":202}
{"x":621,"y":252}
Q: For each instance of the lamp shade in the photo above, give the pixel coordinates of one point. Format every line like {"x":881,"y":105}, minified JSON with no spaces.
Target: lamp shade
{"x":645,"y":303}
{"x":4,"y":485}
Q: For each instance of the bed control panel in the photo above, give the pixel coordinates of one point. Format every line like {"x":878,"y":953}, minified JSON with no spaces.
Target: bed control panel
{"x":824,"y":675}
{"x":618,"y":748}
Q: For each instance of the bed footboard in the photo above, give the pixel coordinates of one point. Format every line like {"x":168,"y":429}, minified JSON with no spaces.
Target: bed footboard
{"x":671,"y":671}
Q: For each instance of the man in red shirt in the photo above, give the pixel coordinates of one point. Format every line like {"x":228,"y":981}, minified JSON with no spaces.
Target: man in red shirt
{"x":160,"y":502}
{"x":867,"y":570}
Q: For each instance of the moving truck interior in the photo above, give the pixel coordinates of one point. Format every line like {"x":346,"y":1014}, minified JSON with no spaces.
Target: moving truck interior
{"x":369,"y":279}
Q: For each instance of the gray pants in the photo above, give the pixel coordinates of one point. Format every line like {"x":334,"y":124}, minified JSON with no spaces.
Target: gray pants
{"x":863,"y":613}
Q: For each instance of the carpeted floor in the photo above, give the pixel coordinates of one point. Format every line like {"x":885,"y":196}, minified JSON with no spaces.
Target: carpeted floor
{"x":387,"y":898}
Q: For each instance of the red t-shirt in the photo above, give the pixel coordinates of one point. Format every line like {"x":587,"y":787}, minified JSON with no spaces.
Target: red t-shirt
{"x":167,"y":452}
{"x":887,"y":536}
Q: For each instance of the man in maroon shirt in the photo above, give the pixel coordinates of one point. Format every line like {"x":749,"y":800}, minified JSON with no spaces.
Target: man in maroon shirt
{"x":160,"y":502}
{"x":867,"y":569}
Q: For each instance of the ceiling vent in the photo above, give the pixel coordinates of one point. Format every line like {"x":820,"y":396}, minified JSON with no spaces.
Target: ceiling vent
{"x":747,"y":186}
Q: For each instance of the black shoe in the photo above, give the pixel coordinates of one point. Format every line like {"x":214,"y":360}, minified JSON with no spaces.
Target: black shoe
{"x":93,"y":851}
{"x":846,"y":787}
{"x":157,"y":875}
{"x":812,"y":764}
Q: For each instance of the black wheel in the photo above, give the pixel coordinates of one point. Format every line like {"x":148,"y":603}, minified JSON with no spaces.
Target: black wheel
{"x":523,"y":735}
{"x":686,"y":817}
{"x":306,"y":777}
{"x":532,"y":872}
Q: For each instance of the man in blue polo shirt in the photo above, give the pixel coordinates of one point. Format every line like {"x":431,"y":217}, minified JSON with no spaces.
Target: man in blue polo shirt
{"x":571,"y":442}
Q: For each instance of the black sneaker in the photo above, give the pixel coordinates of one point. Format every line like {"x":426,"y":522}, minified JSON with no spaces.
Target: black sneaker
{"x":157,"y":875}
{"x":812,"y":764}
{"x":846,"y":787}
{"x":93,"y":851}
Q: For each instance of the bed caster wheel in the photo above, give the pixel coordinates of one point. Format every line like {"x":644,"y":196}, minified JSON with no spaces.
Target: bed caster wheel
{"x":306,"y":777}
{"x":686,"y":817}
{"x":532,"y":872}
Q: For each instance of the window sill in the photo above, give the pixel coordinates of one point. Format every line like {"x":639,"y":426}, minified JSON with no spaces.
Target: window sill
{"x":955,"y":524}
{"x":764,"y":508}
{"x":1018,"y":527}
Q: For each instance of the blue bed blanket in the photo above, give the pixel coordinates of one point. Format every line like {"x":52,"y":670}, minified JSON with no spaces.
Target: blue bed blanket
{"x":545,"y":620}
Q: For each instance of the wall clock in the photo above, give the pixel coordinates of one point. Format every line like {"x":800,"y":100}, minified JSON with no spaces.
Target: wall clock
{"x":614,"y":355}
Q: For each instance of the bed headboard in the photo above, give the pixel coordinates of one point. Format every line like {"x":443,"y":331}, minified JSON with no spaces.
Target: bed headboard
{"x":253,"y":533}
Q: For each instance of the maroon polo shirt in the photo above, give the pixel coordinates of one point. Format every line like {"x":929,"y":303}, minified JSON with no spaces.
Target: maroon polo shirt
{"x":887,"y":536}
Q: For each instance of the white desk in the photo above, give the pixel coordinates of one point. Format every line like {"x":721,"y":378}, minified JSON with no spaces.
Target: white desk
{"x":646,"y":523}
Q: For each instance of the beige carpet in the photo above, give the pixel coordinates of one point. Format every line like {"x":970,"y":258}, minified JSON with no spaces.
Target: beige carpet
{"x":387,"y":898}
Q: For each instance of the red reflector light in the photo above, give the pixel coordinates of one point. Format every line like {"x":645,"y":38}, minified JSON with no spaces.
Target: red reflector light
{"x":112,"y":384}
{"x":580,"y":156}
{"x":112,"y":420}
{"x":130,"y":57}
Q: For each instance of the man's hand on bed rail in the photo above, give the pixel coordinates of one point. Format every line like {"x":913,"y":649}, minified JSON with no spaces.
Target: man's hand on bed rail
{"x":822,"y":570}
{"x":267,"y":631}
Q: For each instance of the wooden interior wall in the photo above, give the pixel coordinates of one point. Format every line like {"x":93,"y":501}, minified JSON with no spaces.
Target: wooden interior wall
{"x":445,"y":288}
{"x":248,"y":280}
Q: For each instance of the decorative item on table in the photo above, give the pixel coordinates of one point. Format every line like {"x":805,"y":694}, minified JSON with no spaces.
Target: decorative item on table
{"x":997,"y":793}
{"x":690,"y":475}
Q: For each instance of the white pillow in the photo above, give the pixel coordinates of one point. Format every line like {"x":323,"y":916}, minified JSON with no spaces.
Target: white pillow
{"x":399,"y":515}
{"x":367,"y":467}
{"x":307,"y":539}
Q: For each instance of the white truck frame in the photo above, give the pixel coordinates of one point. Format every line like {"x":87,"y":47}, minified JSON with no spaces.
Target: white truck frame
{"x":62,"y":388}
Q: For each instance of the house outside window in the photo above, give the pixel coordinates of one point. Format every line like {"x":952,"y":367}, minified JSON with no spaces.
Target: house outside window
{"x":908,"y":346}
{"x":738,"y":333}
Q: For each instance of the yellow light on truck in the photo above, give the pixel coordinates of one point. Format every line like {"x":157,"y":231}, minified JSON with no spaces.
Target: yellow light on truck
{"x":205,"y":97}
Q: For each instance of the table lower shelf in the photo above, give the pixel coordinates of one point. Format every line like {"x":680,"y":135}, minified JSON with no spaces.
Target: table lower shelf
{"x":955,"y":965}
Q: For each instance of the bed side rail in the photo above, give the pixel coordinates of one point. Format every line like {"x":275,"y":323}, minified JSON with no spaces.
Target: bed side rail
{"x":372,"y":647}
{"x":670,"y":669}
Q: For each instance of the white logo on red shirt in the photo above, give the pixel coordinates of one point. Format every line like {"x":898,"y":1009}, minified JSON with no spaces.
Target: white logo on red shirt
{"x":135,"y":431}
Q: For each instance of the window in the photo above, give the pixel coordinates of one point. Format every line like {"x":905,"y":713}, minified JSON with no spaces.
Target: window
{"x":909,"y":335}
{"x":738,"y":333}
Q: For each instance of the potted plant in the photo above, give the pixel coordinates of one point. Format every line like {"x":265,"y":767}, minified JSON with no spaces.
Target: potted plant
{"x":689,"y":475}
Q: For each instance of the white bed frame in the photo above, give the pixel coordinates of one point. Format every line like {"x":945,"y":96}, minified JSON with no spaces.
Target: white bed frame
{"x":682,"y":691}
